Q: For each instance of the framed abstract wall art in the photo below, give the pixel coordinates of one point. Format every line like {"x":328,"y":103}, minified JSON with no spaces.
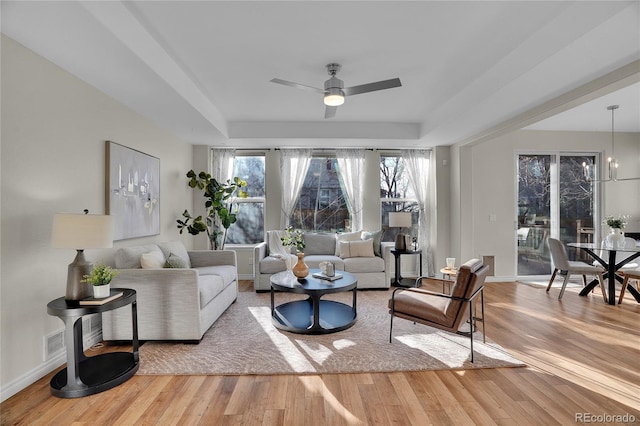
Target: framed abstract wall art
{"x":132,"y":193}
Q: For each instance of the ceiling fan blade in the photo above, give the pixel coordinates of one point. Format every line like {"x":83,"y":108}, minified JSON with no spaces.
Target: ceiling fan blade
{"x":330,"y":111}
{"x":372,"y":87}
{"x":297,"y":85}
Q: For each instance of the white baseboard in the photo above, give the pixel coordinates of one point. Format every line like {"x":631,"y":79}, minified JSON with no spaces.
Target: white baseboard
{"x":55,"y":362}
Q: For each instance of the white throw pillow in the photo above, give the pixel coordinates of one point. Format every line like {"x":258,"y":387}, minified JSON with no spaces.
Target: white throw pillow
{"x":361,"y":248}
{"x":152,"y":260}
{"x":347,"y":236}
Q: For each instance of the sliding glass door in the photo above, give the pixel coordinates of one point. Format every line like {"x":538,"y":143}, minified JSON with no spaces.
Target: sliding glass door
{"x":554,"y":200}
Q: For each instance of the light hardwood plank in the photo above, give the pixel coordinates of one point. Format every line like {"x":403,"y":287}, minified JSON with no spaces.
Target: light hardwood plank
{"x":581,"y":357}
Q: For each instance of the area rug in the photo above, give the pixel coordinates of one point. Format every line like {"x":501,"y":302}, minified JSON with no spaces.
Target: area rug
{"x":244,"y":341}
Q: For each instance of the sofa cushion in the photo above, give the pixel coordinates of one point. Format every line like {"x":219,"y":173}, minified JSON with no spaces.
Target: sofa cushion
{"x":271,"y":265}
{"x":376,"y":236}
{"x":152,"y":260}
{"x":177,"y":248}
{"x":176,"y":262}
{"x":129,"y":257}
{"x":319,"y":244}
{"x":347,"y":236}
{"x":226,"y":272}
{"x":364,"y":264}
{"x":361,"y":248}
{"x":210,"y":286}
{"x":313,"y":261}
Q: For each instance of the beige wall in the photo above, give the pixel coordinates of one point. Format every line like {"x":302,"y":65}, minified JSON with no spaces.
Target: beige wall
{"x":487,"y":187}
{"x":54,"y":128}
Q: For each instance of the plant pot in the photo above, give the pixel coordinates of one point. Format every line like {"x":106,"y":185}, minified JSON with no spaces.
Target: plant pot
{"x":300,"y":269}
{"x":101,"y":291}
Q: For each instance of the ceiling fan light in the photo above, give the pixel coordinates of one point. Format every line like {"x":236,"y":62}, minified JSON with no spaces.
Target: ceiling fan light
{"x":334,"y":97}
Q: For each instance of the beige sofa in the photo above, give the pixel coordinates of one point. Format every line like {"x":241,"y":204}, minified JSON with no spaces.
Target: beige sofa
{"x":373,"y":270}
{"x":177,"y":303}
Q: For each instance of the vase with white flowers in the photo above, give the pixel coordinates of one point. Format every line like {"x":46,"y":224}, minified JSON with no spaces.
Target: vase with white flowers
{"x":616,"y":224}
{"x":294,"y":238}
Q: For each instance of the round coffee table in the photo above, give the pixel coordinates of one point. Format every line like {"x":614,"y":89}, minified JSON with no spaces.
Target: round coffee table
{"x":313,"y":315}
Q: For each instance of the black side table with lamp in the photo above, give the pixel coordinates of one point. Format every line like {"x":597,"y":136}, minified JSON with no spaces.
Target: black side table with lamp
{"x":85,"y":375}
{"x":89,"y":375}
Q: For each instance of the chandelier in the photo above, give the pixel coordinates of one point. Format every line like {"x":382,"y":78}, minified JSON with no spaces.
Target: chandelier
{"x":612,"y":162}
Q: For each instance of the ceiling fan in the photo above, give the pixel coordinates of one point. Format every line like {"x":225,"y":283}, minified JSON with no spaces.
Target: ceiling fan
{"x":334,"y":91}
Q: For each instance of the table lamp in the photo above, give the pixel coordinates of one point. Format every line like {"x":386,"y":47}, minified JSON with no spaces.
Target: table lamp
{"x":80,"y":232}
{"x":400,"y":220}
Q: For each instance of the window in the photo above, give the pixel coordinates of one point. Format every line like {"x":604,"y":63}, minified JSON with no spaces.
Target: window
{"x":321,"y":206}
{"x":396,"y":195}
{"x":249,"y":227}
{"x":554,"y":199}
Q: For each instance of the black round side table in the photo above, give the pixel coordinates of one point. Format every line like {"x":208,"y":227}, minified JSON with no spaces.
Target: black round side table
{"x":398,"y":281}
{"x":89,"y":375}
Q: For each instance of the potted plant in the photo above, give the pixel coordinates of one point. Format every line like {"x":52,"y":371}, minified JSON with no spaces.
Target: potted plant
{"x":100,"y":277}
{"x":615,"y":239}
{"x":293,"y":238}
{"x":219,"y":205}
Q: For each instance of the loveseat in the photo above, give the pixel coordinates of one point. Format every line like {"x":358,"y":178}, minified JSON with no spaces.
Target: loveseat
{"x":180,"y":293}
{"x":361,"y":253}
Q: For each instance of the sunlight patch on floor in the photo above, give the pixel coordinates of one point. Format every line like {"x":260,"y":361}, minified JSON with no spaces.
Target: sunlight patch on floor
{"x":289,"y":352}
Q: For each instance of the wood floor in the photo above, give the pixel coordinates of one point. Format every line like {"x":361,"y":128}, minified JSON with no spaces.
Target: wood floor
{"x":583,"y":359}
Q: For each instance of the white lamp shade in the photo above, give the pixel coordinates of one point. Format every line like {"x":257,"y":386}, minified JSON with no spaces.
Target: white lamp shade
{"x":82,"y":231}
{"x":400,"y":219}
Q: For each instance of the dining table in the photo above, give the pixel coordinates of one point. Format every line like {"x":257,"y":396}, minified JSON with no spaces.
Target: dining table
{"x":611,"y":266}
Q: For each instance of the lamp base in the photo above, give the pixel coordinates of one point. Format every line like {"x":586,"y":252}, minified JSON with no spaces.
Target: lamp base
{"x":76,"y":271}
{"x":401,"y":242}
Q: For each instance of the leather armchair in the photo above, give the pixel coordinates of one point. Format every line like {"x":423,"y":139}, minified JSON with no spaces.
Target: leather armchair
{"x":444,"y":311}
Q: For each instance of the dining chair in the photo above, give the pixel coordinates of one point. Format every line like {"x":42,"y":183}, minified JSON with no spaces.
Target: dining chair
{"x":441,"y":310}
{"x":566,"y":267}
{"x":629,"y":275}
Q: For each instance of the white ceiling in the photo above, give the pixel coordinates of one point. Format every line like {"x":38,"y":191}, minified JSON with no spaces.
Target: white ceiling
{"x":202,"y":68}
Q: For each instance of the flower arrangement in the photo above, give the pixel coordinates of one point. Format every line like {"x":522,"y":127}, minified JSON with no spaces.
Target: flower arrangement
{"x":616,"y":222}
{"x":100,"y":275}
{"x":293,"y":238}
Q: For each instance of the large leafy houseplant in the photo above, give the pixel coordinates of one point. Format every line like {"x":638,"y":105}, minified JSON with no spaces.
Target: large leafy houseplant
{"x":219,"y":205}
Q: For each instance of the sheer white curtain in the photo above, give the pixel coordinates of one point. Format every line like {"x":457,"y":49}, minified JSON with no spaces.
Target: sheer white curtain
{"x":417,"y":163}
{"x":222,"y":163}
{"x":351,"y":171}
{"x":294,"y":164}
{"x":221,"y":170}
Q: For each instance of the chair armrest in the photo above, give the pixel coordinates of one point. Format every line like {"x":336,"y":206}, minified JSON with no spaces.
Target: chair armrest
{"x":260,"y":251}
{"x":176,"y":282}
{"x":434,"y":293}
{"x":200,"y":258}
{"x":435,"y":280}
{"x":422,"y":291}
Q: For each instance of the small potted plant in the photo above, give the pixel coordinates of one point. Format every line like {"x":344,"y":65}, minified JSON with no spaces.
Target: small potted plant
{"x":100,"y":277}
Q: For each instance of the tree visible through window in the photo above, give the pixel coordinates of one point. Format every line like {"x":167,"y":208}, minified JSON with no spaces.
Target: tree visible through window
{"x":396,"y":195}
{"x":553,"y":198}
{"x":249,"y":227}
{"x":321,"y":205}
